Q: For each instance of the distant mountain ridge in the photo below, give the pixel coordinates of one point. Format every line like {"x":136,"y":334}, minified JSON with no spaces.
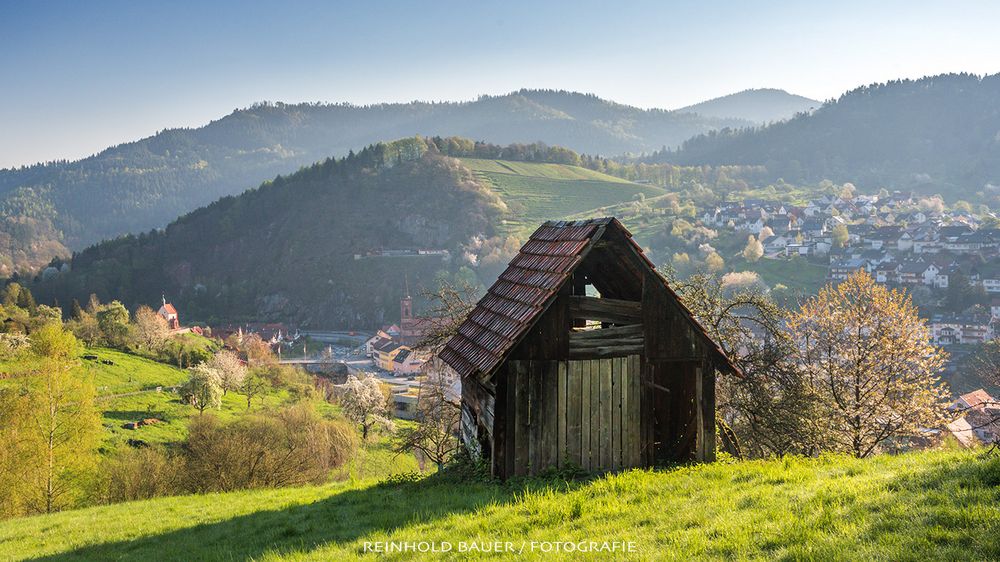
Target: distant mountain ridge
{"x":938,"y":134}
{"x":761,"y":106}
{"x":137,"y":186}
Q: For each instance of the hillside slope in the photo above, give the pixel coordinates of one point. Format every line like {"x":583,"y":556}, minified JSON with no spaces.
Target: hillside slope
{"x":136,"y":186}
{"x":759,"y":105}
{"x":937,"y":134}
{"x":287,"y":250}
{"x":537,"y":192}
{"x":323,"y":246}
{"x":918,"y":506}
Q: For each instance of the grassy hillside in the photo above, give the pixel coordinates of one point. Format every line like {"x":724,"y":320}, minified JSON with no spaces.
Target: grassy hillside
{"x":127,"y":392}
{"x":536,"y":192}
{"x":132,"y":388}
{"x":935,"y":505}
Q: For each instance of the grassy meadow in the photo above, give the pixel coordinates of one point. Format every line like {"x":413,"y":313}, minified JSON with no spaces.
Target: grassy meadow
{"x":918,"y":506}
{"x":535,"y":192}
{"x":132,"y":388}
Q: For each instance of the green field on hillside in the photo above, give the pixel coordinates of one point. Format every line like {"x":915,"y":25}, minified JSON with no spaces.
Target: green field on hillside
{"x":798,"y":274}
{"x":917,"y":506}
{"x":536,"y":192}
{"x":540,"y":170}
{"x":132,"y":388}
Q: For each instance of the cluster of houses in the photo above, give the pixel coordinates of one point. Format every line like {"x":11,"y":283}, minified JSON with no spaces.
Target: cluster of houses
{"x":275,"y":334}
{"x":393,"y":349}
{"x":979,"y":421}
{"x":891,"y":238}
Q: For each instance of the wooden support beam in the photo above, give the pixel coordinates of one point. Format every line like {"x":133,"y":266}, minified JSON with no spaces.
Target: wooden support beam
{"x":598,"y":352}
{"x":613,"y":333}
{"x":605,"y":310}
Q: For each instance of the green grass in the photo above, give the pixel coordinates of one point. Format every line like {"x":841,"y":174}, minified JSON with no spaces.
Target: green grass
{"x":194,"y":341}
{"x":128,"y":373}
{"x":535,"y":193}
{"x":540,"y":170}
{"x":127,"y":392}
{"x":918,"y":506}
{"x":798,"y":275}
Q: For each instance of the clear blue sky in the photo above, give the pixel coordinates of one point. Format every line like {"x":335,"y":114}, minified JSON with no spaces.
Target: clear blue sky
{"x":80,"y":76}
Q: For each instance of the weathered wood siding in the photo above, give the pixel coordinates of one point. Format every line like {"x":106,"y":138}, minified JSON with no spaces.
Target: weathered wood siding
{"x":579,"y":413}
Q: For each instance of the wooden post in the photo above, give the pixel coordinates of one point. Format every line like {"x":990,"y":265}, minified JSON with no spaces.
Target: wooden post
{"x":606,"y":419}
{"x":699,"y":402}
{"x":574,"y":418}
{"x":561,"y":413}
{"x":585,"y":414}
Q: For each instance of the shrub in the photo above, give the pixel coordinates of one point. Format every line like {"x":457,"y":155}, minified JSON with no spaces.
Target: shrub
{"x":288,"y":448}
{"x":139,"y":474}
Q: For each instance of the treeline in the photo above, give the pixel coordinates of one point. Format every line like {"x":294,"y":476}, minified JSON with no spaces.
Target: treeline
{"x":720,"y":179}
{"x":935,"y":135}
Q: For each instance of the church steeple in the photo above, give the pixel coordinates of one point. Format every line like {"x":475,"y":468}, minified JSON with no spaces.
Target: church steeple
{"x":406,"y":303}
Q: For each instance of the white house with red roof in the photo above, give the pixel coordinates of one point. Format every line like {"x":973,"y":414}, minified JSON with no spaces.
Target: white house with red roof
{"x":169,"y":313}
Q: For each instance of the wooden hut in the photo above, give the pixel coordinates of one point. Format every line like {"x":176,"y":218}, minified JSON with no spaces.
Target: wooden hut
{"x":581,"y":354}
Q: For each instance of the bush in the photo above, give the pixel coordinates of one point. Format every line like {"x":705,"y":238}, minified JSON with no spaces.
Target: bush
{"x":139,"y":474}
{"x":288,"y":448}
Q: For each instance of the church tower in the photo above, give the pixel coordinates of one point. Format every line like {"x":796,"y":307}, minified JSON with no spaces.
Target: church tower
{"x":406,"y":304}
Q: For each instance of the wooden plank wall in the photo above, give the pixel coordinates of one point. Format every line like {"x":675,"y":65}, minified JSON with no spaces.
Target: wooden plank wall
{"x":585,"y":413}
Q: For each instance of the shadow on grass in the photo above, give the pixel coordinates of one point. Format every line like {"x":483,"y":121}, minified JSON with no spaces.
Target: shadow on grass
{"x":131,"y":415}
{"x":340,"y":518}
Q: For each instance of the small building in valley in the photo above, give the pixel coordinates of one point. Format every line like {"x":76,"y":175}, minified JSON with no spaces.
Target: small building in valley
{"x":169,"y":313}
{"x":581,"y":354}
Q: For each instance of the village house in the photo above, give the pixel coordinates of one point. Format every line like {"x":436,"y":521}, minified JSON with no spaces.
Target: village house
{"x":406,"y":362}
{"x":379,"y":338}
{"x":553,"y":375}
{"x":385,"y":352}
{"x":987,"y":275}
{"x":950,"y":329}
{"x":980,"y":418}
{"x":842,"y":269}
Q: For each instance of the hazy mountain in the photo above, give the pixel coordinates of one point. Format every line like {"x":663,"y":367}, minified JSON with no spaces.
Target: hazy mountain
{"x":286,"y":250}
{"x":141,"y":185}
{"x":761,"y":106}
{"x":939,"y":134}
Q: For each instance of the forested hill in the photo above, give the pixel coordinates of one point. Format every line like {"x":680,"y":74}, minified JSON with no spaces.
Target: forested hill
{"x":286,"y":250}
{"x":145,"y":184}
{"x":938,"y":134}
{"x":762,"y":106}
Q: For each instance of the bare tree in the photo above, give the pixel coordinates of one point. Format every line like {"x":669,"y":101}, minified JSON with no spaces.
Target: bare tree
{"x":769,"y":410}
{"x":450,"y":304}
{"x":149,"y":329}
{"x":438,"y":414}
{"x":253,"y":384}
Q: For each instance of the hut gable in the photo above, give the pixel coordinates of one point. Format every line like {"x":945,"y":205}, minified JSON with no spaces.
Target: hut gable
{"x":580,"y":353}
{"x":541,"y":269}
